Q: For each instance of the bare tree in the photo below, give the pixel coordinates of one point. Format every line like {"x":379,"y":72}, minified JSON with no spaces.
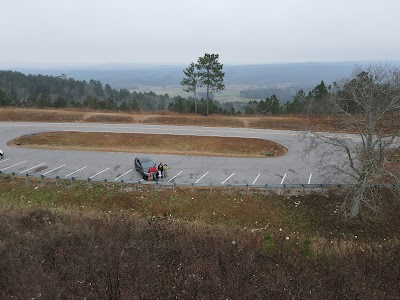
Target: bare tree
{"x":369,"y":103}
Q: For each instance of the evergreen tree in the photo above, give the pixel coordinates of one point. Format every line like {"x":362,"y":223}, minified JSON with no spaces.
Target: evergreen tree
{"x":210,"y":74}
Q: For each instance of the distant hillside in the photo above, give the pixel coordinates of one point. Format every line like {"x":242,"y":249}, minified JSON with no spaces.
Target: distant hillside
{"x":129,"y":76}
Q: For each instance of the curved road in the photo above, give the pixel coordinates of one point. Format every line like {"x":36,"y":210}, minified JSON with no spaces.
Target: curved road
{"x":290,"y":168}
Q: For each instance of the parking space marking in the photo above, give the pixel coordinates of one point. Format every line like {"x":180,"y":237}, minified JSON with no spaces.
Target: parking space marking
{"x":3,"y":160}
{"x":76,"y":171}
{"x":283,"y":179}
{"x":14,"y":165}
{"x":175,"y":176}
{"x":227,"y":178}
{"x":201,"y":178}
{"x":123,"y":174}
{"x":98,"y":173}
{"x":309,"y":179}
{"x":54,"y":169}
{"x":32,"y":168}
{"x":256,"y":178}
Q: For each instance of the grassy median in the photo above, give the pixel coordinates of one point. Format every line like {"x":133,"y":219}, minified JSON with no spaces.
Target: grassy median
{"x":152,"y":143}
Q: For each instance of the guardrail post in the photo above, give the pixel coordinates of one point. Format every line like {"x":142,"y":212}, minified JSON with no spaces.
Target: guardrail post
{"x":138,"y":184}
{"x":248,"y":189}
{"x":57,"y":180}
{"x":26,"y":179}
{"x":266,"y":188}
{"x":72,"y":180}
{"x":88,"y":182}
{"x":12,"y":176}
{"x":105,"y":182}
{"x":41,"y":179}
{"x":229,"y":188}
{"x":122,"y":184}
{"x":192,"y":187}
{"x":304,"y":189}
{"x":173,"y":186}
{"x":210,"y":188}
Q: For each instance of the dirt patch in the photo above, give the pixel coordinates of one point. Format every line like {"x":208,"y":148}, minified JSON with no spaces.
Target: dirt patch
{"x":40,"y":115}
{"x":152,"y":143}
{"x":112,"y":118}
{"x":214,"y":121}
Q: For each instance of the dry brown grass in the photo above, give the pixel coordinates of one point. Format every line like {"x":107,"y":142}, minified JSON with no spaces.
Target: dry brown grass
{"x":153,"y":143}
{"x":318,"y":123}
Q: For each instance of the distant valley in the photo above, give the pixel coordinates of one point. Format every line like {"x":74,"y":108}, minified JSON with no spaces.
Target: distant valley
{"x":280,"y":79}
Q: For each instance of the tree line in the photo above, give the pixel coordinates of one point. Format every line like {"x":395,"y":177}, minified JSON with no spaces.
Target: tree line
{"x":43,"y":91}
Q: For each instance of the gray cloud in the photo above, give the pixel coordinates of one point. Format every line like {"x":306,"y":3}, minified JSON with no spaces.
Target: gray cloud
{"x":177,"y":31}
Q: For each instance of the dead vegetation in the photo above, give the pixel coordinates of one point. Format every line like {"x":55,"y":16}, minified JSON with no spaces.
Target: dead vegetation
{"x":104,"y":243}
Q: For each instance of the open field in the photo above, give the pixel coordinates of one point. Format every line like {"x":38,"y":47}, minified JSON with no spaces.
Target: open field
{"x":231,"y":93}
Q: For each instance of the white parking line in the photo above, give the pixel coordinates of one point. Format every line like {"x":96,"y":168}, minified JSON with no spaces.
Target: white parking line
{"x":3,"y":160}
{"x":283,"y":179}
{"x":98,"y":173}
{"x":32,"y":168}
{"x":123,"y":174}
{"x":309,"y":179}
{"x":54,"y":169}
{"x":76,"y":171}
{"x":256,"y":178}
{"x":227,"y":178}
{"x":14,"y":165}
{"x":175,"y":176}
{"x":201,"y":178}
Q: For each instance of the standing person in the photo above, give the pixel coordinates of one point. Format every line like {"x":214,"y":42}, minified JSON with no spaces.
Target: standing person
{"x":165,"y":168}
{"x":161,"y":170}
{"x":1,"y":154}
{"x":154,"y":171}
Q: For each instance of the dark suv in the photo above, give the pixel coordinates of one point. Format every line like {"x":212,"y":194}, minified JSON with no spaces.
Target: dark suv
{"x":142,"y":165}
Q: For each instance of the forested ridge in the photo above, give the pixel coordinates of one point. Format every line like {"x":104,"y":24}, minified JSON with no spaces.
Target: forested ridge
{"x":40,"y":91}
{"x":17,"y":89}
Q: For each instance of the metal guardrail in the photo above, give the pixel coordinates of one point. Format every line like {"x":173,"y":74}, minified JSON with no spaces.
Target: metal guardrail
{"x":193,"y":186}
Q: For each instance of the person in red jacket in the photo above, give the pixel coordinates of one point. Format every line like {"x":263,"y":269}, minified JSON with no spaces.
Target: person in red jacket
{"x":154,"y":171}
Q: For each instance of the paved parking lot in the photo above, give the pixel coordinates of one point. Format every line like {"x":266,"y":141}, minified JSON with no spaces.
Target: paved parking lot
{"x":184,"y":169}
{"x":66,"y":170}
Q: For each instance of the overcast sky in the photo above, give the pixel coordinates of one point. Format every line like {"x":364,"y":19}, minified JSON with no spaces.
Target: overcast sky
{"x":87,"y":32}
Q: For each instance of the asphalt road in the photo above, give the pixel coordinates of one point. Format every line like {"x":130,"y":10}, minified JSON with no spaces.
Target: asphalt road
{"x":187,"y":169}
